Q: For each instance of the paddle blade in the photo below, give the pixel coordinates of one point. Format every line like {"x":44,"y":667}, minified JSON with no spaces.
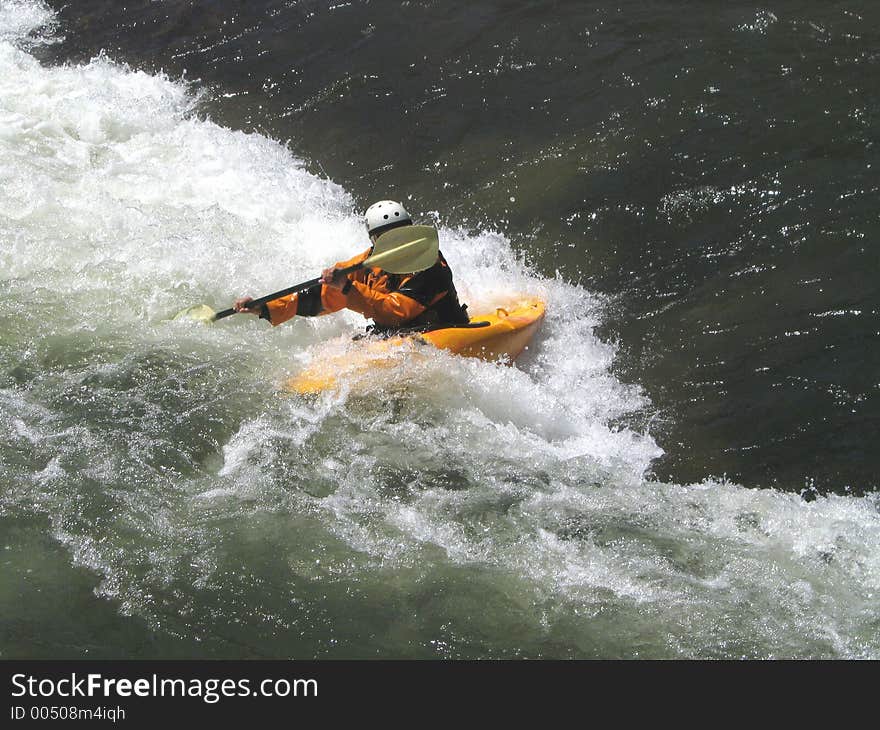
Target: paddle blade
{"x":405,"y":250}
{"x":200,"y":313}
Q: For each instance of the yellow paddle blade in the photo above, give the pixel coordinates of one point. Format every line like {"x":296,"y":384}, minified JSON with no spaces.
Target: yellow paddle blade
{"x":200,"y":313}
{"x":405,"y":250}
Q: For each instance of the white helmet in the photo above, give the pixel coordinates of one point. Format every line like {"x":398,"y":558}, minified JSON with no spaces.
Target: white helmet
{"x":385,"y":214}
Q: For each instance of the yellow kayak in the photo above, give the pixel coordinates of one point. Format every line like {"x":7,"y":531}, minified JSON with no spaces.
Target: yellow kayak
{"x":499,"y":335}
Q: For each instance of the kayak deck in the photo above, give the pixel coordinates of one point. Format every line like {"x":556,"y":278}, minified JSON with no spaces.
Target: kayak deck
{"x":508,"y":333}
{"x":499,"y":335}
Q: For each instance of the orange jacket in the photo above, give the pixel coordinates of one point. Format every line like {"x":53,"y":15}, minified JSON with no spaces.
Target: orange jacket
{"x":390,"y":300}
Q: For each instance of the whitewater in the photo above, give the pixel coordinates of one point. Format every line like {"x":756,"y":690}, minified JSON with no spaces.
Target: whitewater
{"x":444,"y":508}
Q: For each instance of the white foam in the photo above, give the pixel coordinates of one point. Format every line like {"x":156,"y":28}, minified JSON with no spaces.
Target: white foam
{"x":21,"y":21}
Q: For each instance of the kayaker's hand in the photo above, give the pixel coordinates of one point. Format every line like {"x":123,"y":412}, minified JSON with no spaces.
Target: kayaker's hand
{"x":333,"y":277}
{"x":241,"y":305}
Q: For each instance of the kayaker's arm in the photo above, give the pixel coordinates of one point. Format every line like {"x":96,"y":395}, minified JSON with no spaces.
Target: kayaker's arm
{"x":415,"y":295}
{"x":383,"y":308}
{"x":242,"y":306}
{"x":358,"y":292}
{"x":313,"y":302}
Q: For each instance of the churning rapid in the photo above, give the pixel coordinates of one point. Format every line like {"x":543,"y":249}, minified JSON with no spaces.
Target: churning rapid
{"x":161,"y":497}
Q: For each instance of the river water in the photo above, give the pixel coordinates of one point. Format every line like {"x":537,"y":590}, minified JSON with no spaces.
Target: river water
{"x":683,"y":464}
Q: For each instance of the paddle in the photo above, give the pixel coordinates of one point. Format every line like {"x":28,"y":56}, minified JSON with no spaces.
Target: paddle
{"x":399,"y":251}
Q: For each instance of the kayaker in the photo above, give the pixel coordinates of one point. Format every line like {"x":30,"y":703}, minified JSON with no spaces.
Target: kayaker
{"x":393,"y":301}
